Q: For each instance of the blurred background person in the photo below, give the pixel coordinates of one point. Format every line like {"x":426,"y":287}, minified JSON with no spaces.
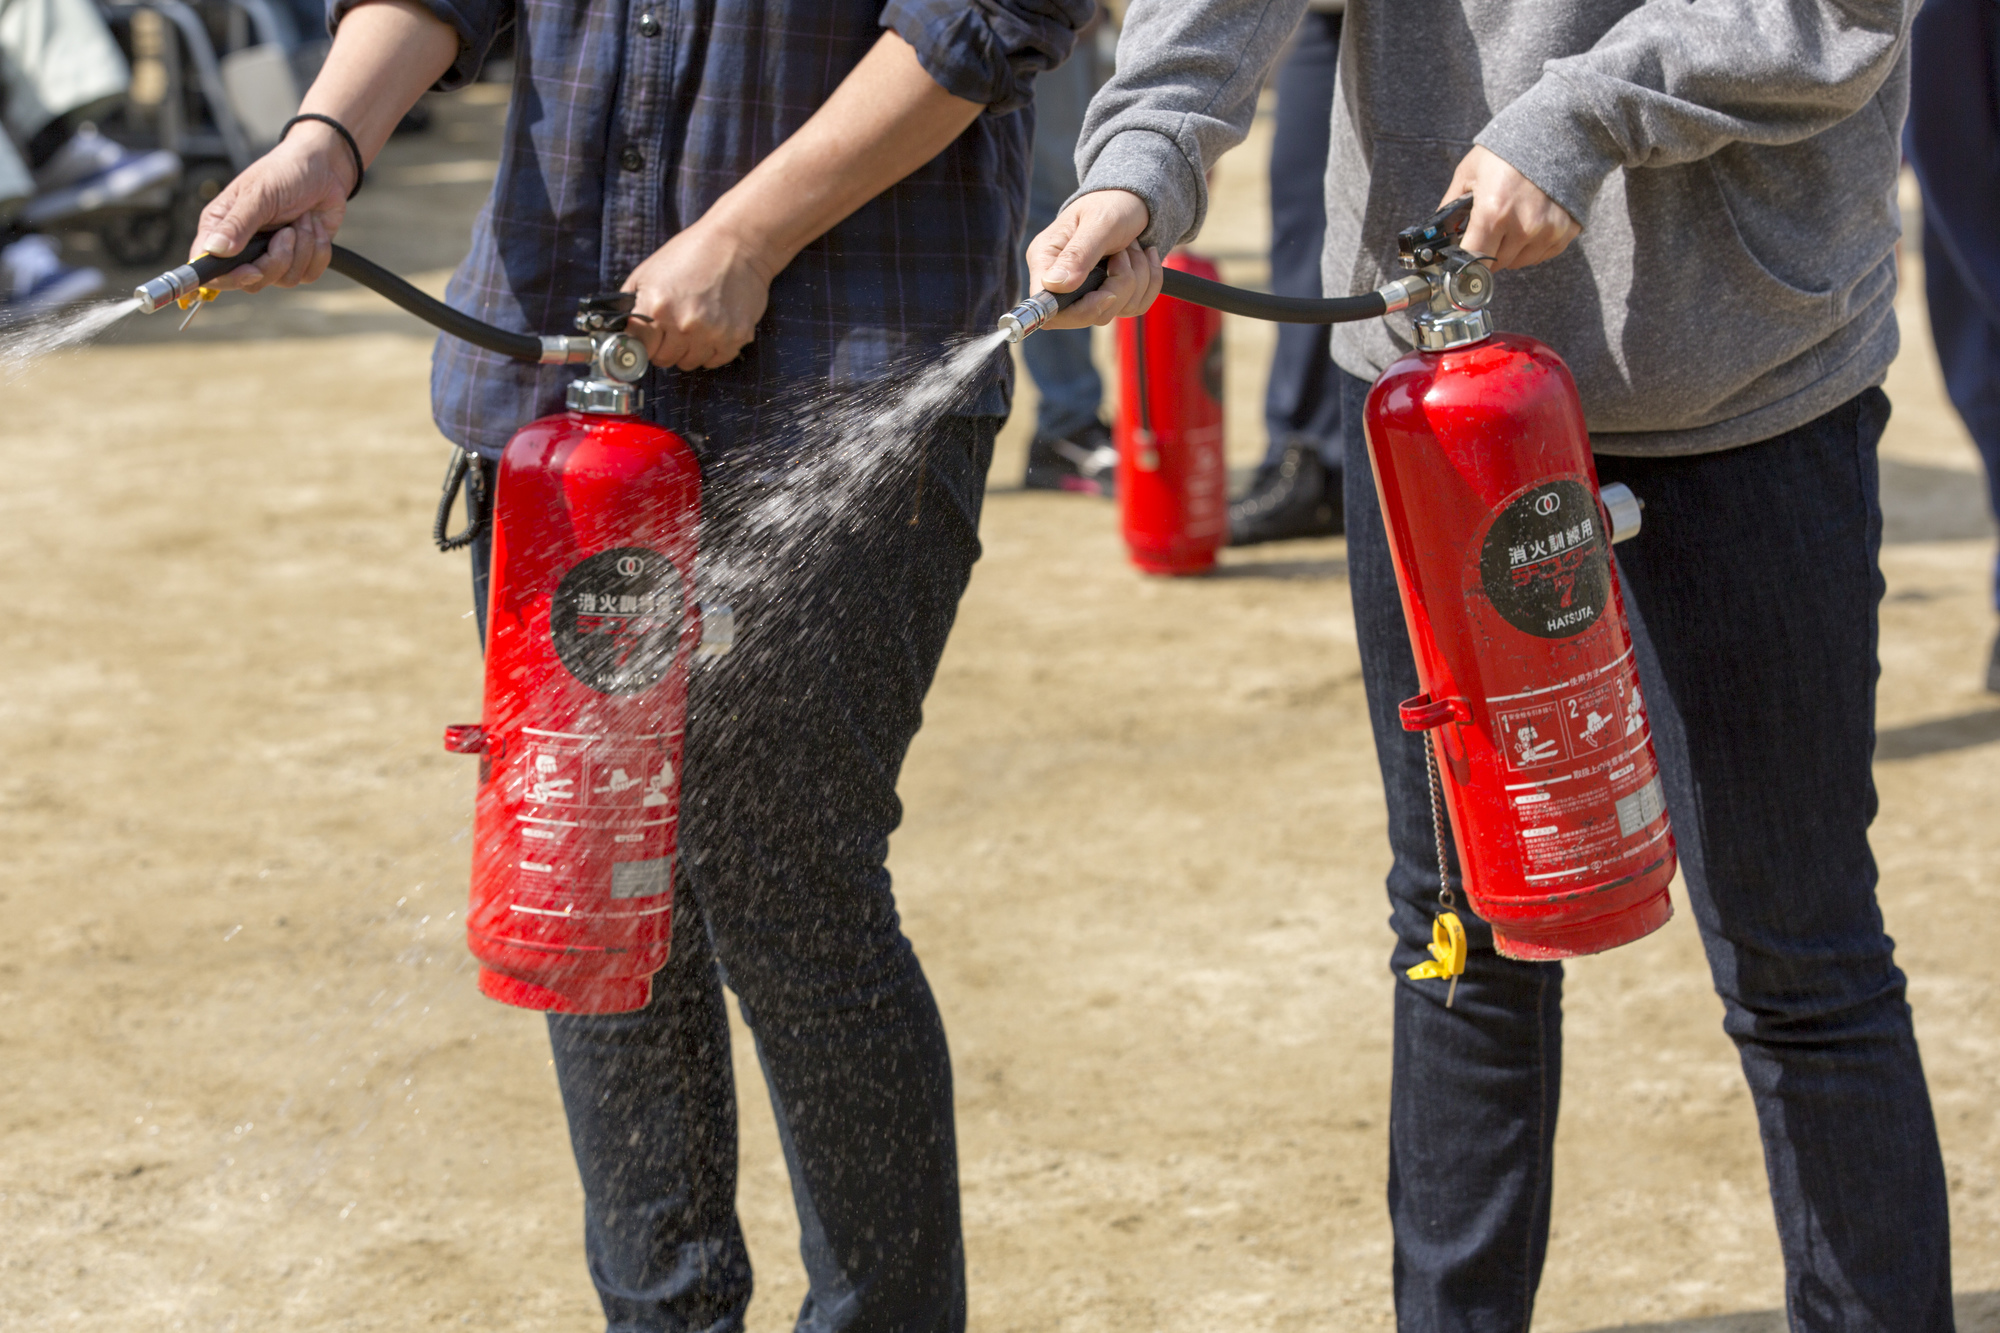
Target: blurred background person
{"x":1072,"y":449}
{"x":1297,"y":488}
{"x":59,"y":68}
{"x":1953,"y":141}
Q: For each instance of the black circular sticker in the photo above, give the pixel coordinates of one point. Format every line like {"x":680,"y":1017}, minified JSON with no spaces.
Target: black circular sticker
{"x":1545,"y":564}
{"x":616,"y":619}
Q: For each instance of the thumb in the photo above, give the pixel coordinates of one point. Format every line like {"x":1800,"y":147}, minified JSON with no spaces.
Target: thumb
{"x":231,"y":219}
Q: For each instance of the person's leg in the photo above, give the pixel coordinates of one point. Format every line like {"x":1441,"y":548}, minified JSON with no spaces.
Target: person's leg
{"x":57,"y":58}
{"x":651,"y":1102}
{"x":1058,"y":360}
{"x":1968,"y":347}
{"x":1473,"y":1097}
{"x":1754,"y":588}
{"x":650,"y":1098}
{"x":1302,"y":395}
{"x":789,"y":796}
{"x":1296,"y":491}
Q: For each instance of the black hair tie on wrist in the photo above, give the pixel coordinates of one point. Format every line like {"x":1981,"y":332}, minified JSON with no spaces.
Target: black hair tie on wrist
{"x":360,"y":171}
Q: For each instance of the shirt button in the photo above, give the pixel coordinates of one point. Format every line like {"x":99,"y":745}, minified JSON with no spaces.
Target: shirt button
{"x":632,"y":159}
{"x":648,"y":25}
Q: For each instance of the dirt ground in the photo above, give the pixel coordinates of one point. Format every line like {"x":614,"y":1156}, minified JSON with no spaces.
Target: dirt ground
{"x":246,"y":1082}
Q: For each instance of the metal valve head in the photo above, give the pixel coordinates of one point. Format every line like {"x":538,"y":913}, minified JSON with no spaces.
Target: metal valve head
{"x":1468,"y":283}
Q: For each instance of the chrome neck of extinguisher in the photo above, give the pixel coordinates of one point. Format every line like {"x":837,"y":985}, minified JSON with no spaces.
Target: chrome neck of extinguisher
{"x":617,"y":359}
{"x":1460,"y":283}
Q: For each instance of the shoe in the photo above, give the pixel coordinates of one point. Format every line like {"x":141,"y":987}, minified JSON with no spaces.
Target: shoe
{"x":90,"y":172}
{"x":1300,"y":497}
{"x":1083,"y":462}
{"x":1993,"y":668}
{"x":34,"y":278}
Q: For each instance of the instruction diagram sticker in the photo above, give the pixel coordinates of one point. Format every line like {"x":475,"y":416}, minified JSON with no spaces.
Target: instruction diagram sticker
{"x":616,"y":619}
{"x":1545,"y":564}
{"x":1532,"y":737}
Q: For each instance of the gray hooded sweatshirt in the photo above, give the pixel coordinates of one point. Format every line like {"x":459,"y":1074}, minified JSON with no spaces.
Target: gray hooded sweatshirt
{"x":1733,"y":163}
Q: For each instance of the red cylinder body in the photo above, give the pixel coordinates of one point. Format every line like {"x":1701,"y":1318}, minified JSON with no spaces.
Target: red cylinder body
{"x":1503,"y":560}
{"x":591,"y":625}
{"x":1173,"y":484}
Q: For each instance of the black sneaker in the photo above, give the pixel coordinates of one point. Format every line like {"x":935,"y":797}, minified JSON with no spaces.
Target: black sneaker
{"x":1300,"y":497}
{"x":1083,"y":462}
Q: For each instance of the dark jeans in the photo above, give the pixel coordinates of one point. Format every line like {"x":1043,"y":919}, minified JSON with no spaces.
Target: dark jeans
{"x":788,"y":799}
{"x":1302,"y":396}
{"x":1953,"y":141}
{"x":1752,"y":592}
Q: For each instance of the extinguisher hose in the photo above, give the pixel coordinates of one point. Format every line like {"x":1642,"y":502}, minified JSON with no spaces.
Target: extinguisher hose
{"x":519,"y":346}
{"x":1276,"y":309}
{"x":186,"y":283}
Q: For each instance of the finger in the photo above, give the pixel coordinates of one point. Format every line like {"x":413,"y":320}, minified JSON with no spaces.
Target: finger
{"x":671,"y":348}
{"x":1145,"y":264}
{"x":1046,"y":247}
{"x":322,"y":247}
{"x":1079,"y":254}
{"x":302,"y":257}
{"x":1461,"y":185}
{"x":697,"y":355}
{"x":265,"y":271}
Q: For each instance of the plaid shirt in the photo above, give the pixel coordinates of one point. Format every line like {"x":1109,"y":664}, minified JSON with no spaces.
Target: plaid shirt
{"x":631,"y":117}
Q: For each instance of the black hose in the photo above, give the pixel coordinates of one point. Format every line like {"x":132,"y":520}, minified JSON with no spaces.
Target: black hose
{"x":520,"y":346}
{"x":1276,"y":309}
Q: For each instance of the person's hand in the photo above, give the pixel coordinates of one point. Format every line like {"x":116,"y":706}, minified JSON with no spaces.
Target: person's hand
{"x":700,"y":296}
{"x":1103,"y":222}
{"x":303,"y":182}
{"x":1513,"y":222}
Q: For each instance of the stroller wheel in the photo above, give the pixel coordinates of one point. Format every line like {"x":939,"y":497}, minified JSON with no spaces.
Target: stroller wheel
{"x":138,"y":237}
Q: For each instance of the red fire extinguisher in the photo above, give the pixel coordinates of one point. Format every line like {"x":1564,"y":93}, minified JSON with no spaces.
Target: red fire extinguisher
{"x":592,"y":623}
{"x":1540,"y":748}
{"x":1541,"y":756}
{"x":1173,"y":483}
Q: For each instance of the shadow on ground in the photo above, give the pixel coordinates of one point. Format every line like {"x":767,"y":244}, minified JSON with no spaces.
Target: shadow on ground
{"x":1917,"y":739}
{"x":1933,"y":504}
{"x":1975,"y":1311}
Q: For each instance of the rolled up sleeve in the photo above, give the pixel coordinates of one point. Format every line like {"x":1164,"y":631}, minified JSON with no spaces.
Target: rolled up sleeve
{"x":985,"y":51}
{"x":477,"y":23}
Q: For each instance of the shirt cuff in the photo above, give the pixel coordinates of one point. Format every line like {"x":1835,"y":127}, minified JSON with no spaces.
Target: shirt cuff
{"x":1550,"y":136}
{"x":1152,"y":166}
{"x":987,"y":53}
{"x":476,"y":23}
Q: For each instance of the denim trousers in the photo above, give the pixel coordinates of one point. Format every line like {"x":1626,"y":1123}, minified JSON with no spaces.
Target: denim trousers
{"x":787,"y":803}
{"x":1952,"y":139}
{"x":1752,"y":594}
{"x":1058,"y":360}
{"x":1302,"y":395}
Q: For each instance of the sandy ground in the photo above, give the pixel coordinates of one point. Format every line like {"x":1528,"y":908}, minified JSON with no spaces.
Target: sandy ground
{"x":248,"y":1083}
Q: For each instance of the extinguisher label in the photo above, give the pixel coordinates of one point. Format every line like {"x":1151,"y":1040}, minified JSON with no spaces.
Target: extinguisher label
{"x":1544,"y":563}
{"x":1590,"y":794}
{"x":616,"y":619}
{"x":642,"y":879}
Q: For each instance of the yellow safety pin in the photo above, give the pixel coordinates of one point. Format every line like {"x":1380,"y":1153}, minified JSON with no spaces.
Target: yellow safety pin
{"x":1447,"y":955}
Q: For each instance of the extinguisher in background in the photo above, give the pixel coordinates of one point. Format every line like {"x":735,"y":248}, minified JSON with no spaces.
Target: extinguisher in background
{"x":1540,"y":750}
{"x":1173,"y":483}
{"x":592,"y":623}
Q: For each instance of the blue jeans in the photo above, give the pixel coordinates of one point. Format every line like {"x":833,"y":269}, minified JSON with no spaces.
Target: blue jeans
{"x":1953,"y":141}
{"x":788,"y":800}
{"x":1058,"y":360}
{"x":1302,"y":396}
{"x":1752,"y":593}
